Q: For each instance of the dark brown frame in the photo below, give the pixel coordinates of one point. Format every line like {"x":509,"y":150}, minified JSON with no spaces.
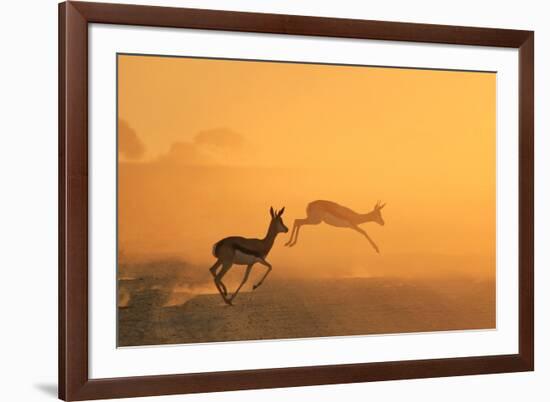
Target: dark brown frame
{"x":74,"y":383}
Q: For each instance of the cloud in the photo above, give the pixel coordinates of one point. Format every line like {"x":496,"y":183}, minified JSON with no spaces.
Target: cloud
{"x":129,"y":144}
{"x":219,"y":146}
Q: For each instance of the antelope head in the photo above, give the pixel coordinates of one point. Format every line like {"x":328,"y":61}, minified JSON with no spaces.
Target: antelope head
{"x":376,"y":214}
{"x":277,"y":220}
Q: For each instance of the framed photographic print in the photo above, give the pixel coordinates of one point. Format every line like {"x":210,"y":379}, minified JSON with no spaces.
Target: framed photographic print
{"x":259,"y":200}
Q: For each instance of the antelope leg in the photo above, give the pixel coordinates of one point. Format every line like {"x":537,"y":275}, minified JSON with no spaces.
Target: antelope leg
{"x":247,"y":272}
{"x":215,"y":267}
{"x":268,"y":265}
{"x":358,"y":229}
{"x":213,"y":270}
{"x":220,"y":284}
{"x":298,"y":223}
{"x":294,"y":228}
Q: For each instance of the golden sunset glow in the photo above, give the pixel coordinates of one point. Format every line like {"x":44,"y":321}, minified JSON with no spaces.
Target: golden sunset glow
{"x":207,"y":146}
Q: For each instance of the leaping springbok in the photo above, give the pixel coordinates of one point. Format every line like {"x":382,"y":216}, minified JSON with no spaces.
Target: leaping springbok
{"x":242,"y":251}
{"x":336,"y":215}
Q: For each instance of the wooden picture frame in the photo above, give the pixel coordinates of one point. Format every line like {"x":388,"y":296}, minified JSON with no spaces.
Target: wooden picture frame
{"x":74,"y":381}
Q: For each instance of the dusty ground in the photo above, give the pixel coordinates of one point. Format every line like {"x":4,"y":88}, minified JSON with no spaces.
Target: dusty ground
{"x":151,"y":312}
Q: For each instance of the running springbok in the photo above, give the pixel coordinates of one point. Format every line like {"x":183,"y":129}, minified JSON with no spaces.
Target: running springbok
{"x":336,"y":215}
{"x":241,"y":251}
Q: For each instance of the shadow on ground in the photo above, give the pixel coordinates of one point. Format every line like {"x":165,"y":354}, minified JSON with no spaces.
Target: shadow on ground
{"x":47,"y":389}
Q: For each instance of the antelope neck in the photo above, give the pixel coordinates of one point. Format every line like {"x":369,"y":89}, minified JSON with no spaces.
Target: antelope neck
{"x":368,"y":217}
{"x":269,"y":238}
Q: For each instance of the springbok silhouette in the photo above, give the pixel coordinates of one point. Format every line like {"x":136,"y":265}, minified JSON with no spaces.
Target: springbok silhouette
{"x":241,"y":251}
{"x":336,"y":215}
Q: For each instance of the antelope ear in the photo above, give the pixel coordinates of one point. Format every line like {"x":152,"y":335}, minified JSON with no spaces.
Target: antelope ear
{"x":281,"y":211}
{"x":271,"y":212}
{"x":382,"y":206}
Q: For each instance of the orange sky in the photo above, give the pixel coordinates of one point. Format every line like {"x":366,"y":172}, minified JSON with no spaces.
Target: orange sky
{"x":206,"y":146}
